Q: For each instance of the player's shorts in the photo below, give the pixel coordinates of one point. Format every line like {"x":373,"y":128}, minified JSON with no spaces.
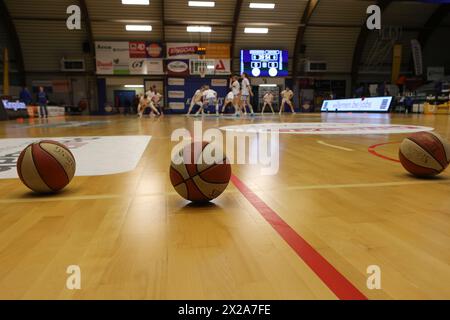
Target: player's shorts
{"x":230,"y":96}
{"x":211,"y":101}
{"x":244,"y":97}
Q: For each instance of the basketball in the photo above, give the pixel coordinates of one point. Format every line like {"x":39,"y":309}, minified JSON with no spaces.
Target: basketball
{"x":425,"y":154}
{"x":198,"y":180}
{"x":46,"y":166}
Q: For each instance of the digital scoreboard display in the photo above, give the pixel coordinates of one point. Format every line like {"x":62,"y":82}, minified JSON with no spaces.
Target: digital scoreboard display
{"x":265,"y":63}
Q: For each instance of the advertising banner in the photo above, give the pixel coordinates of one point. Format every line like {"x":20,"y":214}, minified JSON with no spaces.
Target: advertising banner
{"x":378,"y":104}
{"x":177,"y":67}
{"x":217,"y":50}
{"x":154,"y":50}
{"x":182,"y":50}
{"x":138,"y":49}
{"x":112,"y":57}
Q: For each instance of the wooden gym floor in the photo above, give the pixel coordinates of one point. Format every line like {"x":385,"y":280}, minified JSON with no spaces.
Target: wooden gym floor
{"x":135,"y":238}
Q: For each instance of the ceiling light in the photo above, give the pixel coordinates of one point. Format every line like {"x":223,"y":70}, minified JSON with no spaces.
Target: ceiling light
{"x":256,"y":30}
{"x":135,"y":27}
{"x":268,"y":85}
{"x":198,"y":29}
{"x":209,"y":4}
{"x":137,"y":2}
{"x":210,"y":67}
{"x":256,"y":5}
{"x":134,"y":86}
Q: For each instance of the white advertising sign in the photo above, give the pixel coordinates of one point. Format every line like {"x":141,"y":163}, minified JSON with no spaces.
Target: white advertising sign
{"x":378,"y":104}
{"x":95,"y":156}
{"x":176,"y":94}
{"x":177,"y":105}
{"x":176,"y":82}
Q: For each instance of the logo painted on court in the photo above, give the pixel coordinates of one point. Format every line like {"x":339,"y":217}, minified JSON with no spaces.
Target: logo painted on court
{"x":322,"y":128}
{"x":95,"y":156}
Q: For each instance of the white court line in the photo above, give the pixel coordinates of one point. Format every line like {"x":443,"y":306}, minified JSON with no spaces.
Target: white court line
{"x":333,"y":146}
{"x":57,"y":198}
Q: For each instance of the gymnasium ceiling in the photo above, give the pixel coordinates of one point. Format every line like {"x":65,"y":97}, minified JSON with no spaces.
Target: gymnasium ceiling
{"x":332,"y":32}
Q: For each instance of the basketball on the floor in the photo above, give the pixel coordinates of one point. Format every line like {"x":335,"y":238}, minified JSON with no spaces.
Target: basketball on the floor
{"x":425,"y":154}
{"x":197,"y":179}
{"x":46,"y":166}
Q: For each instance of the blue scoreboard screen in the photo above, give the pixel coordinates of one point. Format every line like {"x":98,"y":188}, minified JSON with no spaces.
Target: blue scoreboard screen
{"x":265,"y":63}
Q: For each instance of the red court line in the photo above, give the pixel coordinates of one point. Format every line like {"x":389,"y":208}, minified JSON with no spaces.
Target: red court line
{"x":332,"y":278}
{"x":372,"y":150}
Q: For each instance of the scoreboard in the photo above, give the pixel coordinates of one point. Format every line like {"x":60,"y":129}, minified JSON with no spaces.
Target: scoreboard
{"x":265,"y":63}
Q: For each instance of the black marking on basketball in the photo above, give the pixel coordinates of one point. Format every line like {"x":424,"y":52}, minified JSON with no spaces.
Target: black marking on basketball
{"x":225,"y":162}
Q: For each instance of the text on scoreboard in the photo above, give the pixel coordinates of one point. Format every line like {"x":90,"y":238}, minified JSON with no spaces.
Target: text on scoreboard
{"x":265,"y":63}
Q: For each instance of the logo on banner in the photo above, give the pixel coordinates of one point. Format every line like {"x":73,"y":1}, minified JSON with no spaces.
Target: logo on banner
{"x":137,"y":50}
{"x":182,"y":51}
{"x":154,"y":50}
{"x":178,"y":67}
{"x":138,"y":66}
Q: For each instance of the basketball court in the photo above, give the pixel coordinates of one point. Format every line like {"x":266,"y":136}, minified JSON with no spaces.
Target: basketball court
{"x":337,"y":218}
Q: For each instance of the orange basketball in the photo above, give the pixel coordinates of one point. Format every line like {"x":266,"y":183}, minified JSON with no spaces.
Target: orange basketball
{"x":425,"y":154}
{"x":46,"y":166}
{"x":197,"y":178}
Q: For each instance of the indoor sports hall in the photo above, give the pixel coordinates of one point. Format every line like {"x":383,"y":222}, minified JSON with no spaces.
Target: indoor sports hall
{"x":224,"y":150}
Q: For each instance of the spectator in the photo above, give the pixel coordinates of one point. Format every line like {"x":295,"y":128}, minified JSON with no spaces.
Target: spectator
{"x":25,"y":96}
{"x":42,"y":100}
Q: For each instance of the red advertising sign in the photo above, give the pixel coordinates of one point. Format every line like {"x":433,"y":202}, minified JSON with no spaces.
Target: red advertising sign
{"x":137,"y":49}
{"x":175,"y":51}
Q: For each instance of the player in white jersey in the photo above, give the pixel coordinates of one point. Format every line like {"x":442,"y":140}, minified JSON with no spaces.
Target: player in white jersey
{"x":236,"y":89}
{"x":197,"y":100}
{"x":156,"y":100}
{"x":268,"y":100}
{"x":209,"y":99}
{"x":145,"y":103}
{"x":246,"y":93}
{"x":287,"y":96}
{"x":229,"y":99}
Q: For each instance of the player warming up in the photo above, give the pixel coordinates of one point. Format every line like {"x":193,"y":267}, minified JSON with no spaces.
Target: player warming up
{"x":197,"y":100}
{"x":209,"y":100}
{"x":268,"y":100}
{"x":287,"y":96}
{"x":236,"y":90}
{"x":229,"y":100}
{"x":246,"y":93}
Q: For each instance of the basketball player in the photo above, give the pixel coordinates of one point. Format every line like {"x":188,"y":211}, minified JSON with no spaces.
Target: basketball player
{"x":209,"y":99}
{"x":287,"y":96}
{"x":147,"y":103}
{"x":268,"y":100}
{"x":246,"y":93}
{"x":197,"y":99}
{"x":156,"y":100}
{"x":236,"y":90}
{"x":229,"y":99}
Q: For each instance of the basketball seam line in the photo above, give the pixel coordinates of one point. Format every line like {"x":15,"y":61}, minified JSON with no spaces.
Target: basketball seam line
{"x":19,"y":167}
{"x":418,"y":165}
{"x":427,"y":151}
{"x":65,"y":173}
{"x":37,"y":170}
{"x":199,"y":173}
{"x":443,"y":148}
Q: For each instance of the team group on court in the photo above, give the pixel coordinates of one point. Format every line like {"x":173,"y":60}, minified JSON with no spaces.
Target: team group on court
{"x":205,"y":98}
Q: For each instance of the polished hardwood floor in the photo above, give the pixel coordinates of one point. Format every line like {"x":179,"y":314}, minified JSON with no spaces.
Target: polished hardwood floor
{"x":135,"y":238}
